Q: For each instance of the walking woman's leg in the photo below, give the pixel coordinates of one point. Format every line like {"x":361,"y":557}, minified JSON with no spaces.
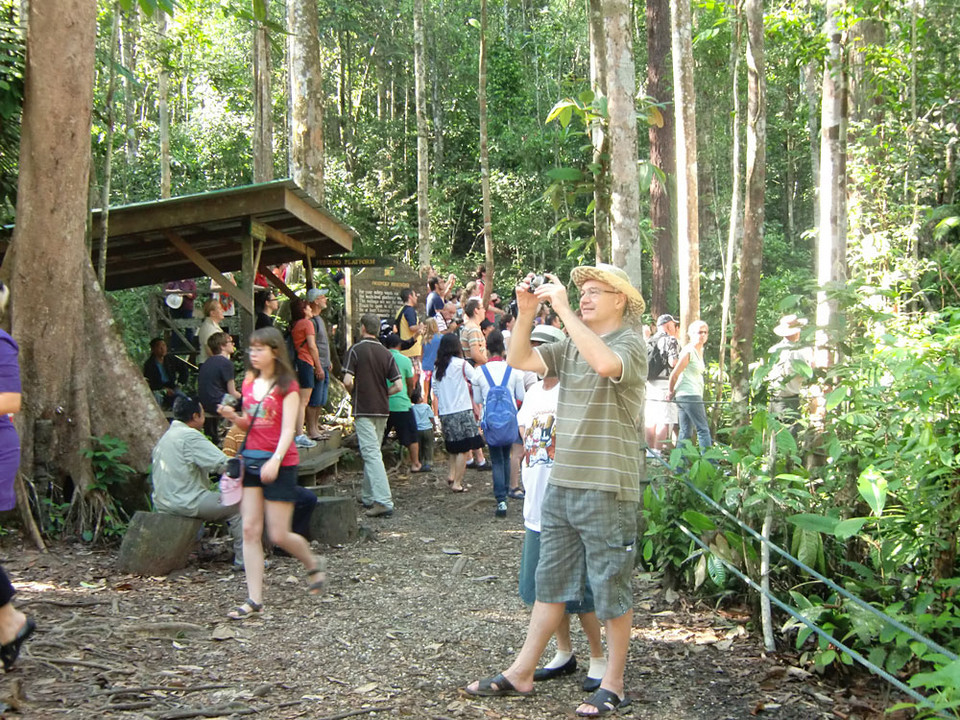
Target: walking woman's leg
{"x":279,"y":517}
{"x":251,"y":509}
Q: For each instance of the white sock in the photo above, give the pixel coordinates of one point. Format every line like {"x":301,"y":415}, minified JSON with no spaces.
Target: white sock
{"x":598,"y":666}
{"x":559,"y":660}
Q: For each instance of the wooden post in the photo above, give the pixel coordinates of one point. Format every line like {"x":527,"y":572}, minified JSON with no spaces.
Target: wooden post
{"x":247,"y":271}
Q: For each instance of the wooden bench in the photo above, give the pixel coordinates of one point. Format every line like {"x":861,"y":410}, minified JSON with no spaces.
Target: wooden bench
{"x":312,"y":465}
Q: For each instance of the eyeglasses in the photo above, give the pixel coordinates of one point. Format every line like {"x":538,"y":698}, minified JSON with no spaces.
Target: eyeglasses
{"x":594,"y":293}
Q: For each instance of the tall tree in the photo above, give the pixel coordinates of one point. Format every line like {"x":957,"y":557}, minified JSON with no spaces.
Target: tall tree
{"x":128,"y":58}
{"x":485,"y":156}
{"x":624,"y":179}
{"x":599,"y":135}
{"x":108,"y":142}
{"x":832,"y":239}
{"x":262,"y":98}
{"x":306,"y":98}
{"x":77,"y":378}
{"x":688,"y":214}
{"x":163,"y":104}
{"x":423,"y":137}
{"x":751,"y":256}
{"x":733,"y":232}
{"x":662,"y":155}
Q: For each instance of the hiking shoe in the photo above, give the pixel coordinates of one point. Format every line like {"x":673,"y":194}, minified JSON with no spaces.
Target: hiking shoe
{"x":379,"y":510}
{"x":302,"y":441}
{"x":501,"y":509}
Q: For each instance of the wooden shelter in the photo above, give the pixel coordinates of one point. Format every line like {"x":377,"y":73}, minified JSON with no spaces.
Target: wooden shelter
{"x":245,"y":228}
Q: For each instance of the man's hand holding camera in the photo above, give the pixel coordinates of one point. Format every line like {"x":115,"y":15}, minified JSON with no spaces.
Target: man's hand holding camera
{"x":535,"y":289}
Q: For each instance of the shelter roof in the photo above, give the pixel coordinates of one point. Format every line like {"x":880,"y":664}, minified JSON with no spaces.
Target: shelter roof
{"x":291,"y":225}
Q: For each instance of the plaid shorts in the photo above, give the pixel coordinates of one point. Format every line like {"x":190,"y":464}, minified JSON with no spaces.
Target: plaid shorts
{"x":587,"y":533}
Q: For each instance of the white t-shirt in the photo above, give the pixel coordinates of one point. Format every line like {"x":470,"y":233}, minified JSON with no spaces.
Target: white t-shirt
{"x":497,"y":369}
{"x":453,"y":392}
{"x":537,"y":418}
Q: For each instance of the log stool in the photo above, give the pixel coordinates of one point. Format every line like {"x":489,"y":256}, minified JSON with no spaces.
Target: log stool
{"x":334,"y":520}
{"x":158,"y":543}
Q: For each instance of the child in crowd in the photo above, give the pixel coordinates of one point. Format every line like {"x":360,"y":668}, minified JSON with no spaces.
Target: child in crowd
{"x":426,"y":427}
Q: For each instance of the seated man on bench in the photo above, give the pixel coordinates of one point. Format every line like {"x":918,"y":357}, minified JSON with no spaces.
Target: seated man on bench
{"x":183,"y":460}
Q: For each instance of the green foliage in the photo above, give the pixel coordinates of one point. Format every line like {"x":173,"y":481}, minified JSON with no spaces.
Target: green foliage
{"x":106,"y":455}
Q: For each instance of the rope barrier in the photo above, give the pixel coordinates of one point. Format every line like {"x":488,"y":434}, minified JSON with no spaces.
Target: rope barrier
{"x":931,"y":644}
{"x":822,"y":633}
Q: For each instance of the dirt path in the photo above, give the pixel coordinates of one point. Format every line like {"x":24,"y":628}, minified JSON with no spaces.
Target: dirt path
{"x":423,"y":604}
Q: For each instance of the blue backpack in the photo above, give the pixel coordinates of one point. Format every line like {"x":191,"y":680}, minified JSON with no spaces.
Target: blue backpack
{"x":499,"y":422}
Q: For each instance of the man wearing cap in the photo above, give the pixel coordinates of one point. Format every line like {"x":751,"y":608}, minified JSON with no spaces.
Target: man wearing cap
{"x":661,"y":414}
{"x":317,"y":297}
{"x":589,"y":511}
{"x":786,"y":376}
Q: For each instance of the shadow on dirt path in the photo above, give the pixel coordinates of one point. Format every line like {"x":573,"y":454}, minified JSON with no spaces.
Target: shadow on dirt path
{"x":423,"y":604}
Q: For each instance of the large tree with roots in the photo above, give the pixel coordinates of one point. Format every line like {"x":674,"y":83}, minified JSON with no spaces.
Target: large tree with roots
{"x":78,"y":381}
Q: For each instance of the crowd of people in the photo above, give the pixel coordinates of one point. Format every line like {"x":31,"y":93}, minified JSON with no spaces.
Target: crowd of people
{"x":560,"y":403}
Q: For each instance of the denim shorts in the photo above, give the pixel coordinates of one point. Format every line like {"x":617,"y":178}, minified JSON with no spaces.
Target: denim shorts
{"x":321,"y":388}
{"x":529,"y":559}
{"x":305,"y":375}
{"x":587,"y":534}
{"x":283,"y":489}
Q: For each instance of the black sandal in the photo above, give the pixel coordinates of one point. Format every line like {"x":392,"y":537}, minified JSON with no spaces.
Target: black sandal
{"x":605,"y":702}
{"x":242,"y":613}
{"x":11,"y":651}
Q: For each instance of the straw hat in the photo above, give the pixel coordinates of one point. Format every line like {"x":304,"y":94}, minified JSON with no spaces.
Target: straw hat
{"x":790,"y":325}
{"x":615,"y":278}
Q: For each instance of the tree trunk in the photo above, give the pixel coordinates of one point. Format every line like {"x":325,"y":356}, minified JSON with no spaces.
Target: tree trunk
{"x":77,"y":378}
{"x":163,"y":104}
{"x":832,"y":241}
{"x":263,"y":102}
{"x":733,"y":234}
{"x":423,"y":137}
{"x":437,"y":108}
{"x":108,"y":153}
{"x":812,"y":94}
{"x":306,"y":98}
{"x":129,"y":56}
{"x":624,"y":179}
{"x":600,"y":138}
{"x":485,"y":157}
{"x":751,"y":257}
{"x":344,"y":90}
{"x":688,"y":230}
{"x":662,"y":155}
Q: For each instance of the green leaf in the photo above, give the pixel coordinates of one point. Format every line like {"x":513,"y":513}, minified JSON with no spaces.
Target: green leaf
{"x":873,"y":489}
{"x":848,"y":528}
{"x":586,"y":97}
{"x":817,"y":523}
{"x":836,"y":397}
{"x":474,"y":23}
{"x":565,"y":174}
{"x":698,"y":521}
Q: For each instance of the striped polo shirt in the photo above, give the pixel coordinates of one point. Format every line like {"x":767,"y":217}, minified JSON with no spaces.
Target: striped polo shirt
{"x":599,"y":420}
